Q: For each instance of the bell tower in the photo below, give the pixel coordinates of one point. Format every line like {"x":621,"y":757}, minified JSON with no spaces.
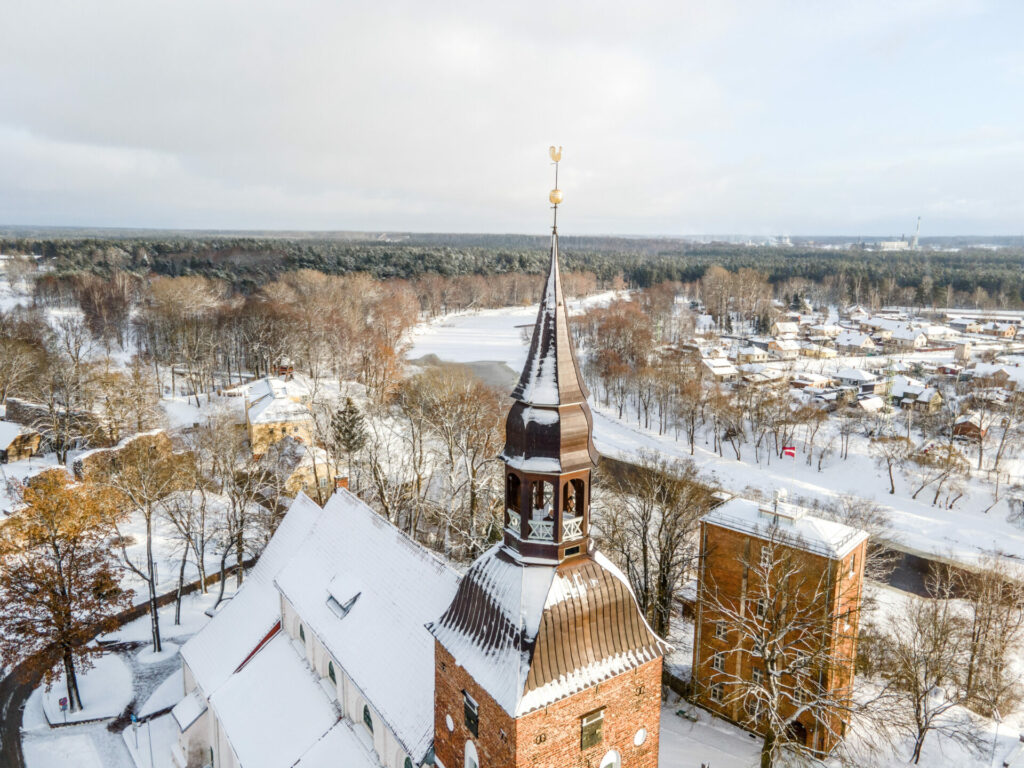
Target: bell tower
{"x":549,"y":452}
{"x":543,"y":657}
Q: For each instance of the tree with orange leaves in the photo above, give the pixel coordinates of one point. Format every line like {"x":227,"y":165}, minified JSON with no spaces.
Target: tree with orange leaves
{"x":59,"y":584}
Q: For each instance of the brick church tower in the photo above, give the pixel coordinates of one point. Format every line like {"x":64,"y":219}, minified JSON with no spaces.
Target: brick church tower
{"x":543,"y":657}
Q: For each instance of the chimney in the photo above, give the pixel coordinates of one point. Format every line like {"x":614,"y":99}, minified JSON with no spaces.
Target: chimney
{"x":341,"y":482}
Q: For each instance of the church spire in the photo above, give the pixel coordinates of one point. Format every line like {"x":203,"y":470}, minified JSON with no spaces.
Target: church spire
{"x":549,"y":448}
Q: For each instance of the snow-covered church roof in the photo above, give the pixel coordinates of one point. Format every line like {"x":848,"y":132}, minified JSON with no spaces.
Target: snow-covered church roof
{"x":380,"y":641}
{"x":218,"y":649}
{"x":532,"y":634}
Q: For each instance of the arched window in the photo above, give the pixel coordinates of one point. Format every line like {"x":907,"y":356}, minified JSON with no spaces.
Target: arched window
{"x":611,"y":760}
{"x":367,"y":718}
{"x":302,"y":633}
{"x":513,"y":490}
{"x":330,"y":672}
{"x":408,"y":763}
{"x":472,"y":760}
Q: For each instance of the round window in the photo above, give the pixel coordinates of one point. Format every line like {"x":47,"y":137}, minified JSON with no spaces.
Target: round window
{"x":641,"y":737}
{"x":449,"y":722}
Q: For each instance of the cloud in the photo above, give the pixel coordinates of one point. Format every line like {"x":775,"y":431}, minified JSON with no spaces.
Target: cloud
{"x":676,"y":117}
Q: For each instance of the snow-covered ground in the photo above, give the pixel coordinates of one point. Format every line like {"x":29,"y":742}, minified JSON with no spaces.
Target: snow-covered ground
{"x":105,"y":689}
{"x":130,"y":676}
{"x":966,"y":533}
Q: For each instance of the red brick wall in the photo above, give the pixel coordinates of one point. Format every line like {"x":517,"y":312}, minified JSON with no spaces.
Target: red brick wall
{"x":495,"y":744}
{"x":632,"y":700}
{"x":549,"y":737}
{"x":725,"y":551}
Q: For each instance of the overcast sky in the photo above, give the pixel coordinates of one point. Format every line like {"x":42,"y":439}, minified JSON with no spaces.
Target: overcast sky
{"x":677,"y":117}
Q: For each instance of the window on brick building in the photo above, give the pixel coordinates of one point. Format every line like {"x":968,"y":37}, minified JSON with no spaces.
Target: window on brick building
{"x":766,"y":557}
{"x":721,"y":630}
{"x":472,"y":759}
{"x":802,"y":658}
{"x":472,"y":712}
{"x":718,"y":662}
{"x":717,"y":692}
{"x":853,"y":564}
{"x":757,"y":675}
{"x":591,"y":727}
{"x":761,"y":607}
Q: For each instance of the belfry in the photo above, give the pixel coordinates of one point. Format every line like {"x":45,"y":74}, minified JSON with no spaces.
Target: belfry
{"x":543,"y":656}
{"x":549,"y":449}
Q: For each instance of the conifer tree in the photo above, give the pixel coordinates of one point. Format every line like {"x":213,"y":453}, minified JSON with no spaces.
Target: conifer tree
{"x":59,"y":584}
{"x":348,"y":430}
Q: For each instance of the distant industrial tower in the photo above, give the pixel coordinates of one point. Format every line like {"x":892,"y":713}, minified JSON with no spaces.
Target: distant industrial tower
{"x":917,"y":235}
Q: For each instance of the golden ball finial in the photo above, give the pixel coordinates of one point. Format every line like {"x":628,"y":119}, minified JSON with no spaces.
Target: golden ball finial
{"x":555,"y":197}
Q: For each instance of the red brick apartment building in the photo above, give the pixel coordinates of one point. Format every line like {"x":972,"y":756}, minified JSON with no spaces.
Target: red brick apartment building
{"x":779,"y":594}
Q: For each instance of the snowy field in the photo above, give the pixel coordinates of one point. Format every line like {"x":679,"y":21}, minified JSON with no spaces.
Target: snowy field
{"x":965,"y":533}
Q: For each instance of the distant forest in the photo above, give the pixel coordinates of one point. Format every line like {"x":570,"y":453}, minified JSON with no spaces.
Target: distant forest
{"x":983,"y":276}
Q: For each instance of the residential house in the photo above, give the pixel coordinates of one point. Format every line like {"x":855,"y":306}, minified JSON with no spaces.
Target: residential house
{"x":855,"y":343}
{"x":968,"y":427}
{"x":274,"y":410}
{"x":784,"y":348}
{"x":864,"y":382}
{"x":17,"y":442}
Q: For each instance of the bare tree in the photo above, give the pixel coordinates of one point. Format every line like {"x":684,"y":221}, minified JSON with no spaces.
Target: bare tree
{"x":143,"y":473}
{"x":890,"y":452}
{"x":791,"y":630}
{"x":921,"y":657}
{"x":649,"y":524}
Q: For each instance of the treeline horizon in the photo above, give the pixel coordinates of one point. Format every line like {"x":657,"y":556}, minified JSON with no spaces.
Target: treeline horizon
{"x":248,"y":263}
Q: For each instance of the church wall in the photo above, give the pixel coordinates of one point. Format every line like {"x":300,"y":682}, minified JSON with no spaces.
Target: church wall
{"x":631,"y":701}
{"x":549,"y":736}
{"x":495,"y":743}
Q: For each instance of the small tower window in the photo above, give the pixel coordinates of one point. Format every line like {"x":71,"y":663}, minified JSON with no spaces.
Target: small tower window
{"x":591,"y":729}
{"x":367,"y":718}
{"x":472,"y":713}
{"x":302,"y":633}
{"x":330,"y":672}
{"x":514,"y":489}
{"x":408,"y":763}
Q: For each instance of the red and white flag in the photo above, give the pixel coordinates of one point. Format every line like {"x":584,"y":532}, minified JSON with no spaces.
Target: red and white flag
{"x":789,"y":450}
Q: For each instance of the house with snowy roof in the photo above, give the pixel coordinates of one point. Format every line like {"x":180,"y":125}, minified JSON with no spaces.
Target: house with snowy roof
{"x":18,"y":442}
{"x":784,"y":348}
{"x":275,"y":409}
{"x":351,"y":644}
{"x":785,"y":329}
{"x":854,"y":343}
{"x":865,"y":382}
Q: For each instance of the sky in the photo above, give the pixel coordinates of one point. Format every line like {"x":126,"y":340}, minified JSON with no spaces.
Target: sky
{"x":676,"y":118}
